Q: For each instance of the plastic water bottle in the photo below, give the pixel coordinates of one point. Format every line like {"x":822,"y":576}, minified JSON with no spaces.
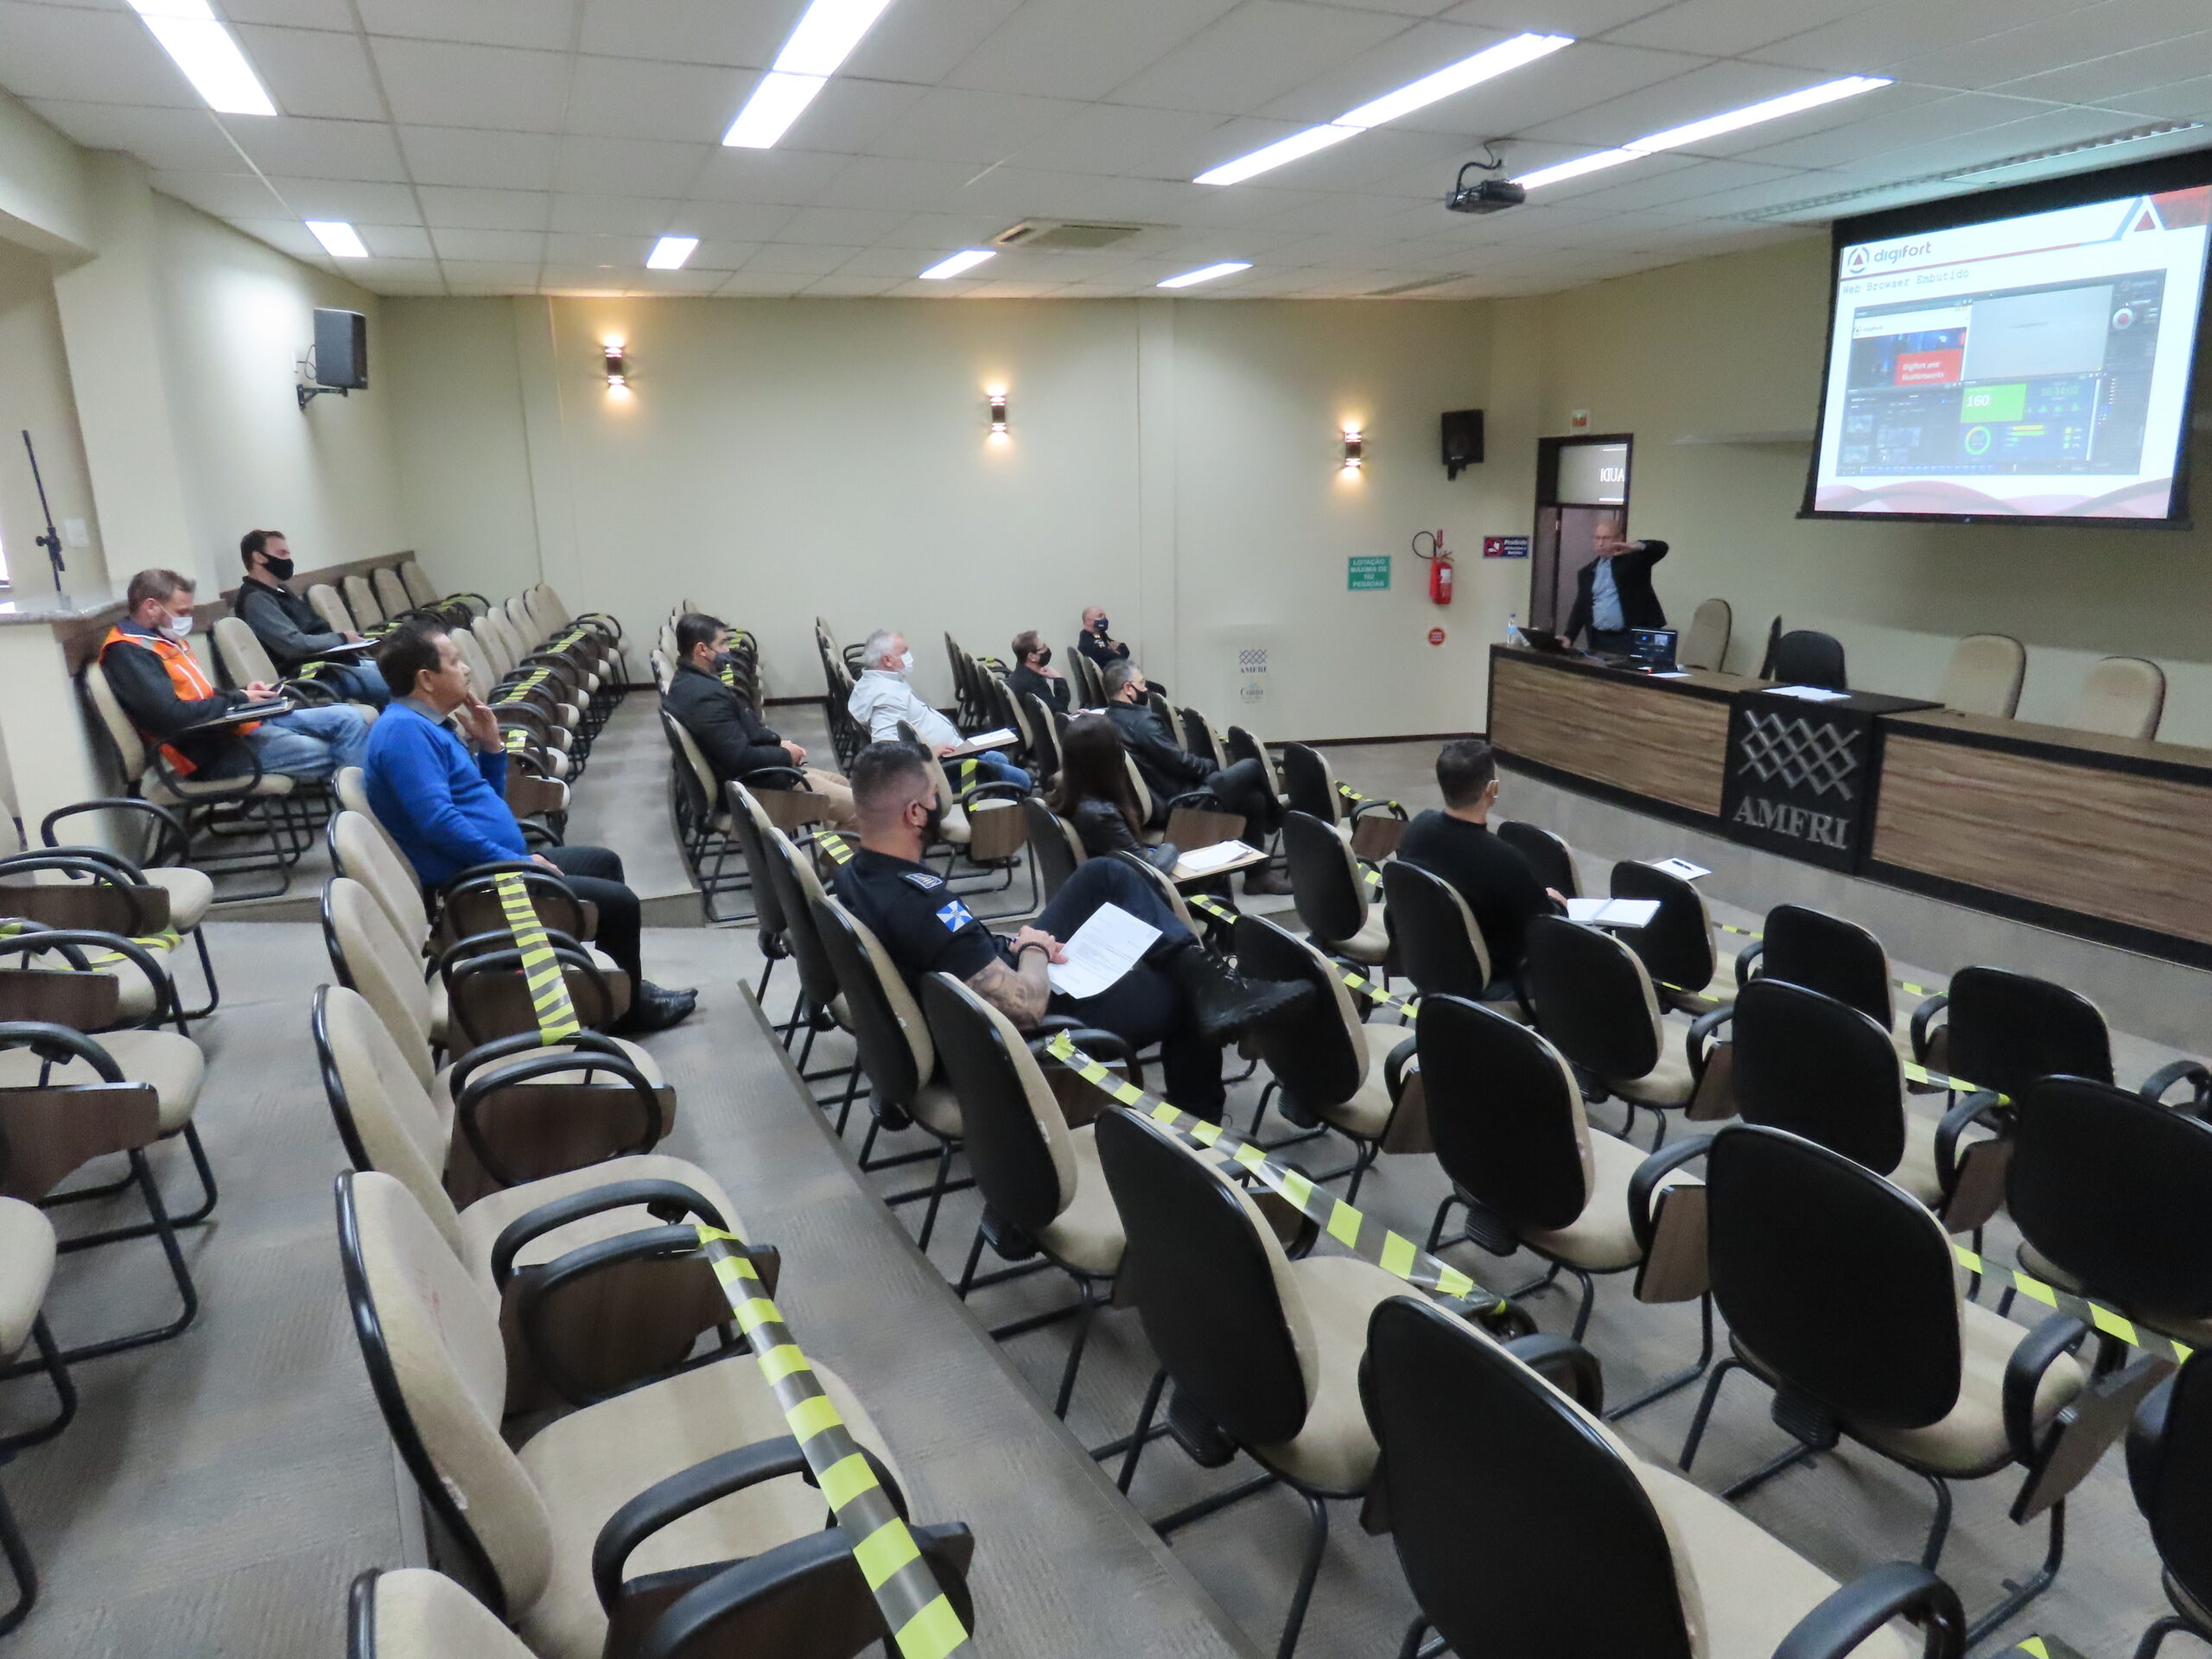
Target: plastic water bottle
{"x":1512,"y":627}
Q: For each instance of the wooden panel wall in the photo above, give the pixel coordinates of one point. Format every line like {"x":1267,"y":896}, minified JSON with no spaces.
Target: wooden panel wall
{"x":1648,"y":739}
{"x":2115,"y":844}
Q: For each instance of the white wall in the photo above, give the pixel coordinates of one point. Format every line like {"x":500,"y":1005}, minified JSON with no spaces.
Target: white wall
{"x":35,"y":396}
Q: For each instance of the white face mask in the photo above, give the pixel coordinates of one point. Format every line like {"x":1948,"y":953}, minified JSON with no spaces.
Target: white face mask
{"x":906,"y":663}
{"x":178,"y":626}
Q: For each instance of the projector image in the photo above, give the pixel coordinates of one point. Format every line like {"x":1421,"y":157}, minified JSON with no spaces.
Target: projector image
{"x":1490,"y":196}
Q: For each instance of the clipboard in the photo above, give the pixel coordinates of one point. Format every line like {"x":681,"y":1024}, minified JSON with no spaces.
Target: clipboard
{"x":247,"y":716}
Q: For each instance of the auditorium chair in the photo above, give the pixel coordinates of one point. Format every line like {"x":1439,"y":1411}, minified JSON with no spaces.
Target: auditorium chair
{"x":1593,"y":999}
{"x":1841,"y":1294}
{"x":1437,"y":943}
{"x":1676,"y":944}
{"x":1089,"y":684}
{"x":1822,"y":1069}
{"x":243,"y":660}
{"x":821,"y":1004}
{"x":1704,"y":644}
{"x":1510,"y":1132}
{"x":1985,"y":676}
{"x":1550,"y":858}
{"x":1829,"y":955}
{"x":1546,"y":1533}
{"x":1328,"y":884}
{"x":1264,"y":1352}
{"x":1199,"y":737}
{"x":27,"y":1257}
{"x":1331,"y":1070}
{"x":2001,"y":1031}
{"x":1044,"y":1193}
{"x":96,"y":898}
{"x":704,"y":830}
{"x":2112,"y":1193}
{"x":2120,"y":696}
{"x":2170,"y":1470}
{"x":425,"y":592}
{"x":749,"y":823}
{"x":690,"y":1472}
{"x":328,"y":604}
{"x":1804,"y":657}
{"x":66,"y":1099}
{"x":1311,"y":787}
{"x":578,"y":1260}
{"x":1044,"y":734}
{"x":1055,"y":849}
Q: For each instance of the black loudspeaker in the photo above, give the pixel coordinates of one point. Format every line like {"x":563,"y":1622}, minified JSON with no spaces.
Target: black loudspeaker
{"x":1463,"y":439}
{"x":341,"y":352}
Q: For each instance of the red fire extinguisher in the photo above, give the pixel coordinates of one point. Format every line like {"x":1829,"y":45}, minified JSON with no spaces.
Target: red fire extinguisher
{"x":1440,"y":565}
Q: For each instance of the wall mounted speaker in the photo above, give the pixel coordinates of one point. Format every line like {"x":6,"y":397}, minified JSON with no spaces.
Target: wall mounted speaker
{"x":342,"y":349}
{"x":1463,"y":439}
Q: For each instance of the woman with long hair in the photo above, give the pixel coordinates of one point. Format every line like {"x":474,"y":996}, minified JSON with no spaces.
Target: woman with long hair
{"x":1094,"y":793}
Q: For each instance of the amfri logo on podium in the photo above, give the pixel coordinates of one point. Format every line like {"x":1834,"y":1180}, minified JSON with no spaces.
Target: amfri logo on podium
{"x":1798,"y":822}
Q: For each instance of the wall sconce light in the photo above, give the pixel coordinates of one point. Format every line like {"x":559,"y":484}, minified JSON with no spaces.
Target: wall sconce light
{"x":1355,"y":449}
{"x":618,"y":363}
{"x":998,"y":414}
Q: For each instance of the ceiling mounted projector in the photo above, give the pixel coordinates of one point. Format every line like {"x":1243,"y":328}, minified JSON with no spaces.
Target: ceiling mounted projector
{"x":1491,"y":195}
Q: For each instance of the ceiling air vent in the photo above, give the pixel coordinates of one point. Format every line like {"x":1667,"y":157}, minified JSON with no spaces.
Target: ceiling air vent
{"x":1064,"y":236}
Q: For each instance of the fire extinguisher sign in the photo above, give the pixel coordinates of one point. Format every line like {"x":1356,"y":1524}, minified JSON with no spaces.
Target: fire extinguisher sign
{"x":1505,"y":547}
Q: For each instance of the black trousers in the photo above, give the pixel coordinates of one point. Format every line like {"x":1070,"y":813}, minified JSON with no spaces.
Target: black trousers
{"x":1146,"y":1004}
{"x":595,"y":874}
{"x":1614,"y":642}
{"x":1243,"y":789}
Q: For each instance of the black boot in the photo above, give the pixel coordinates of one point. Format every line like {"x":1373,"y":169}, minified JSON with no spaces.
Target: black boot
{"x":652,"y":1009}
{"x":1265,"y":880}
{"x":1226,"y":1005}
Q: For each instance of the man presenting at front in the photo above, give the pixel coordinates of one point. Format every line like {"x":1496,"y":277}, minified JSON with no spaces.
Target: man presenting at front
{"x":1176,"y":995}
{"x":1613,"y":593}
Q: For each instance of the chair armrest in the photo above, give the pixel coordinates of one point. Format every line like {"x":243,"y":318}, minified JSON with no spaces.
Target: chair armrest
{"x":1747,"y":959}
{"x":1644,"y":1186}
{"x":1697,"y":1044}
{"x":21,"y":935}
{"x":467,"y":1098}
{"x":1403,"y":1057}
{"x":1923,"y":1017}
{"x":1901,"y":1590}
{"x":477,"y":944}
{"x":52,"y":1042}
{"x":2194,"y":1072}
{"x":1566,"y":1365}
{"x":598,"y":1052}
{"x":667,"y":1200}
{"x":773,"y":776}
{"x":73,"y":860}
{"x":2036,"y":1353}
{"x":1974,"y":1109}
{"x":476,"y":873}
{"x":993,"y":789}
{"x":173,"y":842}
{"x":156,"y":975}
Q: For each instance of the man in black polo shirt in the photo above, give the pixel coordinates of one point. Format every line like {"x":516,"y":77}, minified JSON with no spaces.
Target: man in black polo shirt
{"x":1492,"y":875}
{"x":288,"y":627}
{"x":734,"y":741}
{"x":1177,"y":995}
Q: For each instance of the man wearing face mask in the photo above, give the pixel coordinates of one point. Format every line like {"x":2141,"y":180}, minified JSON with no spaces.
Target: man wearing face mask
{"x":1034,"y":674}
{"x":882,"y":697}
{"x":1102,"y":647}
{"x":165,"y":691}
{"x":729,"y":734}
{"x":288,"y":626}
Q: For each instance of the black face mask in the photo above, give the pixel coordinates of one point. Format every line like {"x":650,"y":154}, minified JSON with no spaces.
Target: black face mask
{"x":936,"y":818}
{"x":1099,"y":627}
{"x":1045,"y":657}
{"x":722,"y":660}
{"x":277,"y":569}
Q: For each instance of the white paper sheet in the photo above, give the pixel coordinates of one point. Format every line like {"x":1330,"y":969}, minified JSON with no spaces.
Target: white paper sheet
{"x":1612,"y":912}
{"x":976,"y":745}
{"x":1808,"y":693}
{"x":1201,"y":860}
{"x":1103,"y":948}
{"x":1680,"y":867}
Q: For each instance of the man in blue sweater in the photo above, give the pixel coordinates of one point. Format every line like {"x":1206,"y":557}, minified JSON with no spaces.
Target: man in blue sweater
{"x":447,"y":806}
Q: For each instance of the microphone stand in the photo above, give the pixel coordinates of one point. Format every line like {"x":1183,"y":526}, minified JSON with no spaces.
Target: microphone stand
{"x":52,"y":540}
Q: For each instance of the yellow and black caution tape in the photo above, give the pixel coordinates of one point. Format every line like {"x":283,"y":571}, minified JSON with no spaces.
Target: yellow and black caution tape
{"x":1358,"y":799}
{"x":915,"y":1608}
{"x":837,"y":843}
{"x":2096,"y":1317}
{"x":1367,"y":1239}
{"x":1904,"y":985}
{"x":1914,"y":1073}
{"x":2040,"y":1647}
{"x":167,"y":939}
{"x":542,"y":971}
{"x":1213,"y":907}
{"x":1366,"y":988}
{"x":524,"y":686}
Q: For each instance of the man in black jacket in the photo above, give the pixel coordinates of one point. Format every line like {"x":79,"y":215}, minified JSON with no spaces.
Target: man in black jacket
{"x":1502,"y":892}
{"x":1613,"y":593}
{"x":1034,"y":674}
{"x":738,"y":746}
{"x":1169,"y":770}
{"x":1102,"y":647}
{"x":288,"y":626}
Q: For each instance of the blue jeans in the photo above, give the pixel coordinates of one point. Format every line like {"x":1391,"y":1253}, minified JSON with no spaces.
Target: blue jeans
{"x":311,"y":743}
{"x":356,"y":684}
{"x":998,"y":769}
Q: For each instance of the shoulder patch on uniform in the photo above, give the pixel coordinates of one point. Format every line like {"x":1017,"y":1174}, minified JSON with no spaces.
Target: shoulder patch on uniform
{"x":927,"y":883}
{"x":955,"y":916}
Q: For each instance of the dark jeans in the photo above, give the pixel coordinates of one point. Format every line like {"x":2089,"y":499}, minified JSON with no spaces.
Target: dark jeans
{"x":356,"y":683}
{"x":594,"y":874}
{"x":1145,"y":1005}
{"x":1614,"y":642}
{"x":1243,"y":789}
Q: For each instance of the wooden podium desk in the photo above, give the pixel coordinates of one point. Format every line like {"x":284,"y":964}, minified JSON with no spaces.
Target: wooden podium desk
{"x":2107,"y":837}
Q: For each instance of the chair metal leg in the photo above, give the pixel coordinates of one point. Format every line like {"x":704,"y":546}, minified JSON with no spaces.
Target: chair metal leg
{"x":760,"y":991}
{"x":207,"y":974}
{"x":1799,"y":1454}
{"x":1666,"y":1386}
{"x":937,"y":1195}
{"x":1704,"y":1413}
{"x":20,"y":1563}
{"x":968,"y":1272}
{"x":2153,"y":1639}
{"x":1360,"y":1166}
{"x":1436,"y":1227}
{"x":1075,"y":1352}
{"x":65,"y":1389}
{"x":1589,"y":1301}
{"x":1316,"y":1542}
{"x":852,"y":1093}
{"x":1143,"y":1429}
{"x":2022,"y":1594}
{"x":1410,"y":1648}
{"x":178,"y":1271}
{"x":190,"y":1134}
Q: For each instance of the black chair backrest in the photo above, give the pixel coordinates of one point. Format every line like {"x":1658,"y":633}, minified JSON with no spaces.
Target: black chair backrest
{"x":818,"y":976}
{"x":1242,"y":745}
{"x":1046,"y":731}
{"x":1805,"y":658}
{"x":1048,"y":845}
{"x":1204,"y":1284}
{"x":1819,"y":1068}
{"x":1546,"y":855}
{"x":2004,"y":1030}
{"x":1504,"y":1112}
{"x":2171,"y":1475}
{"x":1840,"y":1282}
{"x":1007,"y":1151}
{"x":1676,"y":944}
{"x":886,"y":1054}
{"x":767,"y":904}
{"x":1305,"y":783}
{"x":1827,"y":954}
{"x":1198,"y":738}
{"x":1590,"y":994}
{"x":1533,"y":1537}
{"x":1439,"y":946}
{"x":2117,"y":1190}
{"x":1322,"y":878}
{"x":1313,"y":1057}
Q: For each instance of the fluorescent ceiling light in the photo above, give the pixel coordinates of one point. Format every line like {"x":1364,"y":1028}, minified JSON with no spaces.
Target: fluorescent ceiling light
{"x":1712,"y":127}
{"x":199,"y":44}
{"x":671,"y":251}
{"x":825,"y":35}
{"x":340,"y":240}
{"x":966,"y":259}
{"x":1207,"y":273}
{"x":1453,"y":78}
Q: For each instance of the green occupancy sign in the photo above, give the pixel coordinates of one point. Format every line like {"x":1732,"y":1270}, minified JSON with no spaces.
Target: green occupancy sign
{"x":1367,"y":573}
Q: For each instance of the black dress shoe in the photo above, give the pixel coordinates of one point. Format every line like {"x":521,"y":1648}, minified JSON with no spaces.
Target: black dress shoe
{"x":1227,"y":1005}
{"x":1265,"y":880}
{"x":653,"y":1009}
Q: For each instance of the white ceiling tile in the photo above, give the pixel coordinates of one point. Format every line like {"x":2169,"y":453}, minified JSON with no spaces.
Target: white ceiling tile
{"x":1022,"y":193}
{"x":2115,"y":81}
{"x":746,"y":36}
{"x":575,"y":249}
{"x":1907,"y":115}
{"x":626,"y":167}
{"x":372,"y":272}
{"x":851,"y":227}
{"x":545,"y":23}
{"x":720,"y":253}
{"x":2182,"y":99}
{"x":924,"y":41}
{"x":1633,"y":188}
{"x":491,"y":276}
{"x":1341,"y":213}
{"x":292,"y":14}
{"x":1879,"y":41}
{"x":894,"y":183}
{"x":225,"y":195}
{"x":621,"y":98}
{"x":309,"y":149}
{"x":841,"y":285}
{"x":1262,"y":50}
{"x":1415,"y":51}
{"x":1080,"y":49}
{"x":1400,"y":7}
{"x":314,"y":72}
{"x":1709,"y":90}
{"x":955,"y":125}
{"x":927,"y":231}
{"x":184,"y":141}
{"x":787,"y":176}
{"x":485,"y":210}
{"x":1122,"y":138}
{"x":847,"y":116}
{"x":475,"y":158}
{"x":763,"y":284}
{"x":289,"y":236}
{"x":431,"y":82}
{"x":885,"y":262}
{"x":584,"y":279}
{"x":98,"y":57}
{"x":612,"y":215}
{"x":521,"y":248}
{"x":396,"y":241}
{"x":691,"y":280}
{"x":2072,"y":37}
{"x":731,"y":221}
{"x":1724,"y":29}
{"x":352,"y":199}
{"x":794,"y":259}
{"x":1581,"y":18}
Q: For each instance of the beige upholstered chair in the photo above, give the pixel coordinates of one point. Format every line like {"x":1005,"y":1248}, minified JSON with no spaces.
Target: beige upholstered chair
{"x":330,"y":606}
{"x":26,"y":1255}
{"x":1594,"y":1000}
{"x":1330,"y":889}
{"x":1705,"y":644}
{"x":1985,"y":676}
{"x":2120,"y":696}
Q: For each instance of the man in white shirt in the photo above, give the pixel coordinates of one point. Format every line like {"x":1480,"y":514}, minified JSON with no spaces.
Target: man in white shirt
{"x":882,"y":697}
